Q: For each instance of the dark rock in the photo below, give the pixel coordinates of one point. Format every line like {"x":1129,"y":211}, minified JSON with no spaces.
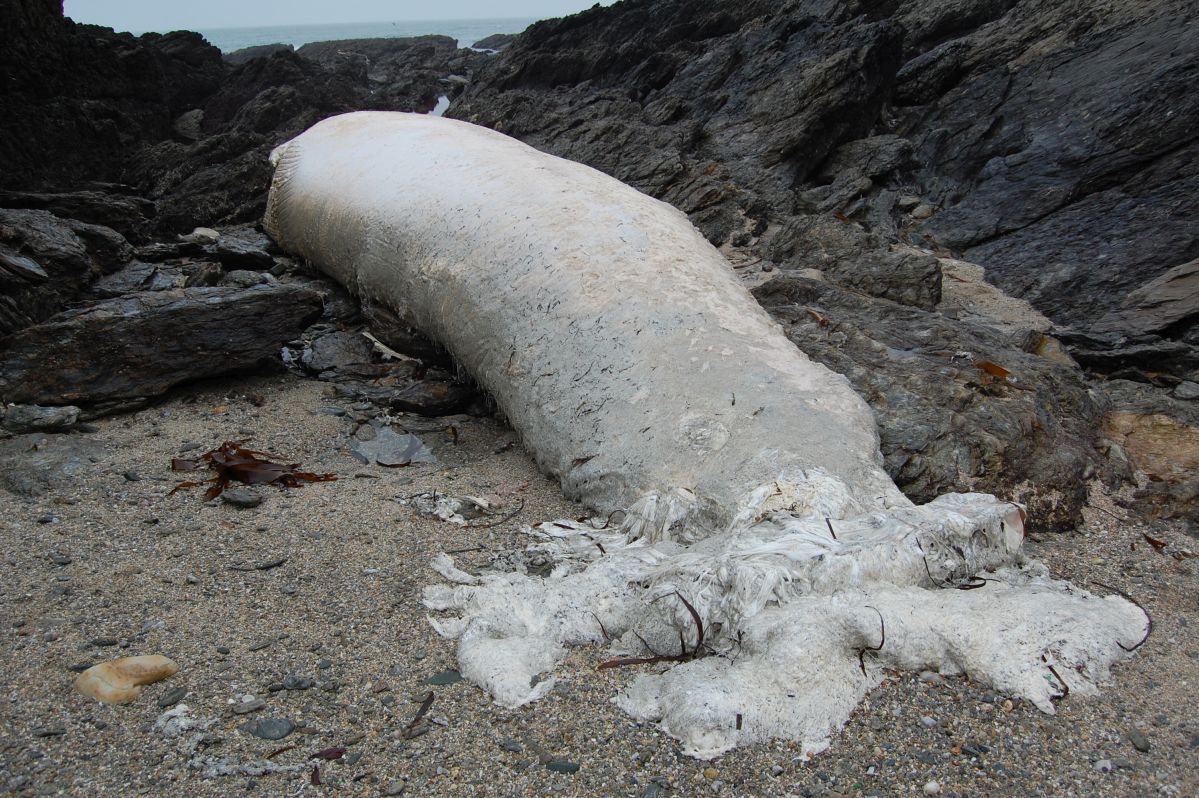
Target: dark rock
{"x":298,"y":683}
{"x":242,"y":278}
{"x":269,"y":728}
{"x":204,"y":275}
{"x":79,"y":99}
{"x":494,"y":43}
{"x":1167,"y":305}
{"x":137,"y":276}
{"x":31,"y":465}
{"x":31,"y":418}
{"x":257,"y":51}
{"x":945,"y":424}
{"x":337,"y":349}
{"x":172,"y":697}
{"x":244,"y":249}
{"x":562,"y":766}
{"x":1139,"y":740}
{"x":47,"y":262}
{"x":246,"y":707}
{"x":146,"y":343}
{"x":131,"y":216}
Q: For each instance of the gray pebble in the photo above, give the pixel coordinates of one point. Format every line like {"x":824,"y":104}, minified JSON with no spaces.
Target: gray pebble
{"x":562,"y":766}
{"x":1139,"y":740}
{"x":133,"y":476}
{"x":261,"y":644}
{"x":246,"y":707}
{"x":928,"y":722}
{"x":352,"y":758}
{"x":104,"y":642}
{"x":324,"y":664}
{"x":394,"y":788}
{"x":508,"y":744}
{"x":222,"y":649}
{"x":1103,"y":766}
{"x":172,"y":697}
{"x":444,"y":678}
{"x":269,"y":728}
{"x":58,"y":558}
{"x":241,"y":497}
{"x":931,"y":677}
{"x":298,"y":683}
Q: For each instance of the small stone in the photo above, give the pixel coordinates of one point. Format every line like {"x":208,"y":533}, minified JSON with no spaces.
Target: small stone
{"x":104,"y":642}
{"x":711,"y":773}
{"x":1008,"y":706}
{"x":927,"y":722}
{"x":80,"y":667}
{"x":324,"y":664}
{"x":776,"y":771}
{"x":444,"y":678}
{"x":121,"y":681}
{"x":931,"y":677}
{"x":59,"y":558}
{"x":562,"y":766}
{"x":419,"y":654}
{"x":246,"y":707}
{"x":352,"y":758}
{"x":508,"y":744}
{"x":298,"y":683}
{"x":931,"y":788}
{"x":394,"y":788}
{"x":172,"y":697}
{"x":49,"y":731}
{"x":241,"y":497}
{"x":133,"y":476}
{"x":223,"y":649}
{"x":1103,"y":766}
{"x":923,"y":211}
{"x":261,"y":644}
{"x":1187,"y":390}
{"x":1139,"y":740}
{"x":269,"y":728}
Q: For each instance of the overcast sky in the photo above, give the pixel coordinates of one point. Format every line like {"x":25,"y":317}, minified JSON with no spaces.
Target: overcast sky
{"x":167,"y":15}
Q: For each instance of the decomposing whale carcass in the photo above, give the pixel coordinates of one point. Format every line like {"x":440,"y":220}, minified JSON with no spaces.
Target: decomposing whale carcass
{"x":763,"y":549}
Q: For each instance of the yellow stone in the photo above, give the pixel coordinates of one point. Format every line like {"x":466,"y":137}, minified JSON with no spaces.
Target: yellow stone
{"x":121,"y":680}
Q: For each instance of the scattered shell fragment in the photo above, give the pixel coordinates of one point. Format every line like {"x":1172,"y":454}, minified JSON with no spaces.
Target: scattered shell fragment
{"x":120,"y":681}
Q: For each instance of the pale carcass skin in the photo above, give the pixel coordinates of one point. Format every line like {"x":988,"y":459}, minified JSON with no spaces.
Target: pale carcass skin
{"x":616,"y":340}
{"x":640,"y":373}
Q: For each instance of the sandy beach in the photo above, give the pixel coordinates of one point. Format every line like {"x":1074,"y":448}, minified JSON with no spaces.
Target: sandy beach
{"x":306,"y":609}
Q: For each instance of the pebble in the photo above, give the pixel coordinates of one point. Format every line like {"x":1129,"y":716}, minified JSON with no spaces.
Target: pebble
{"x":58,"y":558}
{"x":261,"y":644}
{"x":931,"y":677}
{"x":711,"y":773}
{"x":394,"y":788}
{"x":324,"y":664}
{"x":298,"y":683}
{"x":1139,"y":740}
{"x":172,"y":697}
{"x":241,"y":497}
{"x":222,"y":649}
{"x":104,"y":642}
{"x":928,"y":722}
{"x":1103,"y":766}
{"x":120,"y":681}
{"x":562,"y":766}
{"x":444,"y":678}
{"x":508,"y":744}
{"x":931,"y":788}
{"x":246,"y":707}
{"x":269,"y":728}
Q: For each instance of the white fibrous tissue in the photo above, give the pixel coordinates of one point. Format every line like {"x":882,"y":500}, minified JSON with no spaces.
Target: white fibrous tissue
{"x":767,"y":568}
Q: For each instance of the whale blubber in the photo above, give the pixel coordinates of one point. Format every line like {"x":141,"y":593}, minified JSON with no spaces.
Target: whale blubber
{"x":614,"y":339}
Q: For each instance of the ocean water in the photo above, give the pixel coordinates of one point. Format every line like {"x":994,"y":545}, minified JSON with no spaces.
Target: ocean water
{"x":466,"y":31}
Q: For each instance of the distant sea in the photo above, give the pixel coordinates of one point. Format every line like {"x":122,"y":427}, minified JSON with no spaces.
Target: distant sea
{"x":466,"y":31}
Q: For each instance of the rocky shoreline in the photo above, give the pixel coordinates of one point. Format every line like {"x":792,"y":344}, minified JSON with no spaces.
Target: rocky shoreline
{"x":982,"y":213}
